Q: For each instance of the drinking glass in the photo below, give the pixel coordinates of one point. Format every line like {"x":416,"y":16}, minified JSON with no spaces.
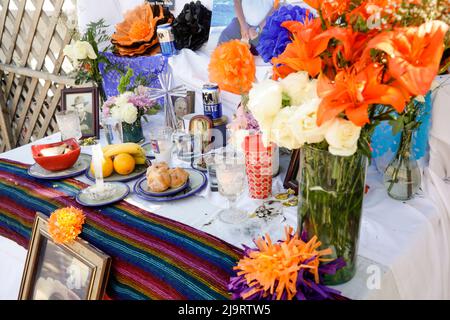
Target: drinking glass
{"x":69,"y":124}
{"x":230,"y":171}
{"x":162,"y":143}
{"x":187,"y":146}
{"x":113,"y":130}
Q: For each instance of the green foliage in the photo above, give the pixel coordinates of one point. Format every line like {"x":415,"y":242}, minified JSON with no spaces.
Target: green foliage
{"x":286,"y":100}
{"x":125,"y":81}
{"x":360,"y":25}
{"x":97,"y":35}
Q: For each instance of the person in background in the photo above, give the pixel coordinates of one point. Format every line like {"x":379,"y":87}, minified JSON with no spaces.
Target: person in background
{"x":250,"y":19}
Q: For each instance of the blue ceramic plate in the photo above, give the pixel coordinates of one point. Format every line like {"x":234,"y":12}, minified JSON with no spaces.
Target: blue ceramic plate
{"x":166,"y":193}
{"x":197,"y":182}
{"x":115,"y":177}
{"x":83,"y":163}
{"x":121,"y":191}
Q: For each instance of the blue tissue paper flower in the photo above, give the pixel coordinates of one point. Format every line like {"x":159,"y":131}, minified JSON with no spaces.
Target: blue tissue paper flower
{"x":274,"y":38}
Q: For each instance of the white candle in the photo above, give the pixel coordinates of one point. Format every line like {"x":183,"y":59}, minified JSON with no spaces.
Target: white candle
{"x":97,"y":160}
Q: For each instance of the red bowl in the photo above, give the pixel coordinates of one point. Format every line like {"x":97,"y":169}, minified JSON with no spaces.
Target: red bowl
{"x":60,"y":162}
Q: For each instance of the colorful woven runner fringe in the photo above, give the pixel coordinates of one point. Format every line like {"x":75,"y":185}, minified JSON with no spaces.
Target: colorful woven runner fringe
{"x":152,"y":257}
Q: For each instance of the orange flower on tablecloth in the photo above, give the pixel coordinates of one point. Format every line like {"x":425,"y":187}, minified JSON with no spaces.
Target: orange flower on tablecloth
{"x":136,"y":35}
{"x":273,"y":268}
{"x":303,"y":53}
{"x":414,"y":54}
{"x":65,"y":224}
{"x":232,"y":67}
{"x":353,"y":91}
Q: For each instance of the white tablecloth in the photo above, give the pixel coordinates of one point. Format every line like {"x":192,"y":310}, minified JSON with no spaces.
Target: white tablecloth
{"x":403,"y":250}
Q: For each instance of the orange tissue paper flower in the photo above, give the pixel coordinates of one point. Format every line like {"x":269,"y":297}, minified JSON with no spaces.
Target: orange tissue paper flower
{"x":273,"y":268}
{"x":232,"y":67}
{"x":414,"y":54}
{"x":353,"y":91}
{"x":65,"y":224}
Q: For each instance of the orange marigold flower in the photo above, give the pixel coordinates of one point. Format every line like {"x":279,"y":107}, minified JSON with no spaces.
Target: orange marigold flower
{"x":353,"y":91}
{"x":65,"y":224}
{"x":232,"y":67}
{"x":414,"y":54}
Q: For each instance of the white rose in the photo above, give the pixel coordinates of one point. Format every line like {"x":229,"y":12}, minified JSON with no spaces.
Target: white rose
{"x":342,"y":137}
{"x":305,"y":122}
{"x":80,"y":50}
{"x":128,"y":113}
{"x":116,"y":113}
{"x":299,"y":88}
{"x":283,"y":130}
{"x":123,"y":99}
{"x":265,"y":99}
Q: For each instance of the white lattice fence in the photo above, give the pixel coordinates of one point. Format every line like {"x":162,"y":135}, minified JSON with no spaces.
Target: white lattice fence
{"x":33,"y":34}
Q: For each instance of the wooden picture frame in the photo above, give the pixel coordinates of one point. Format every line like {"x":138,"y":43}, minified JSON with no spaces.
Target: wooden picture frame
{"x":291,"y":179}
{"x":85,"y":101}
{"x":76,"y":271}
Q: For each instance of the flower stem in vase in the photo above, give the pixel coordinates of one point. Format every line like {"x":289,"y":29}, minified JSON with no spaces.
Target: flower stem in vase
{"x":402,"y":176}
{"x":331,"y":191}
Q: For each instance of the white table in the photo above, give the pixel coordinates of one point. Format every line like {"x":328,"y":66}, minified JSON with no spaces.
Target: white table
{"x":403,"y":251}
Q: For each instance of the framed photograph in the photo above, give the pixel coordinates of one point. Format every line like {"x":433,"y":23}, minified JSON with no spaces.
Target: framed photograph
{"x":62,"y":272}
{"x":184,"y":105}
{"x":292,"y":175}
{"x":86,"y":102}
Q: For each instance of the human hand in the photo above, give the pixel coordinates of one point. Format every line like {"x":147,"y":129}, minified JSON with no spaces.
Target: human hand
{"x":245,"y":28}
{"x":253,"y":34}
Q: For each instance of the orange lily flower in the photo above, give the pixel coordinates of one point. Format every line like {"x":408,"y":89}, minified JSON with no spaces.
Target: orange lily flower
{"x":414,"y":54}
{"x":351,"y":44}
{"x":303,"y":53}
{"x":353,"y":91}
{"x":329,"y":8}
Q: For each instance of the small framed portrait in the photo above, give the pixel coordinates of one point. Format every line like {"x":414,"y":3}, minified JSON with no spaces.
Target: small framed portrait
{"x":77,"y":271}
{"x":293,"y":174}
{"x":184,"y":105}
{"x":85,"y":101}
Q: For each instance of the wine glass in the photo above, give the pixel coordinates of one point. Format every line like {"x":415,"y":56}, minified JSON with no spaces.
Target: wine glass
{"x":230,"y":171}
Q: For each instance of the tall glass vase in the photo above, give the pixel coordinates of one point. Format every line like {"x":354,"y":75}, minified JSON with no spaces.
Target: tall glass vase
{"x":402,"y":177}
{"x":132,"y":132}
{"x":331,"y":192}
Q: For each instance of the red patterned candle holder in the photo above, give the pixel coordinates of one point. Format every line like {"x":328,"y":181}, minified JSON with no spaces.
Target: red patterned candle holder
{"x":258,"y":161}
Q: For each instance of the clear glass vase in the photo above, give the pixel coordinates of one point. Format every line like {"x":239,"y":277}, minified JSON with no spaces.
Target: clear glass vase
{"x":402,"y":177}
{"x":331,"y":193}
{"x":132,"y":132}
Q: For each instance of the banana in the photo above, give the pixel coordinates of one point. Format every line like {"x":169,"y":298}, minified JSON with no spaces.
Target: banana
{"x":130,"y":148}
{"x":140,"y":159}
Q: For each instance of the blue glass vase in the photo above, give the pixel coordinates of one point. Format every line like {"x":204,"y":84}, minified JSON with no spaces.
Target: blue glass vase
{"x":132,"y":132}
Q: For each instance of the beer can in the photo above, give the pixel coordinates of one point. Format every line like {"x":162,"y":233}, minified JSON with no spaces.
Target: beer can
{"x":166,"y":40}
{"x":212,"y":104}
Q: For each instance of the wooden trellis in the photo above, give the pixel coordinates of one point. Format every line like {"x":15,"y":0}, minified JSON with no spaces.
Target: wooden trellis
{"x":33,"y":34}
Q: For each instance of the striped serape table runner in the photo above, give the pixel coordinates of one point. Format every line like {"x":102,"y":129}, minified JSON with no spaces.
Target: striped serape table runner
{"x":152,"y":257}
